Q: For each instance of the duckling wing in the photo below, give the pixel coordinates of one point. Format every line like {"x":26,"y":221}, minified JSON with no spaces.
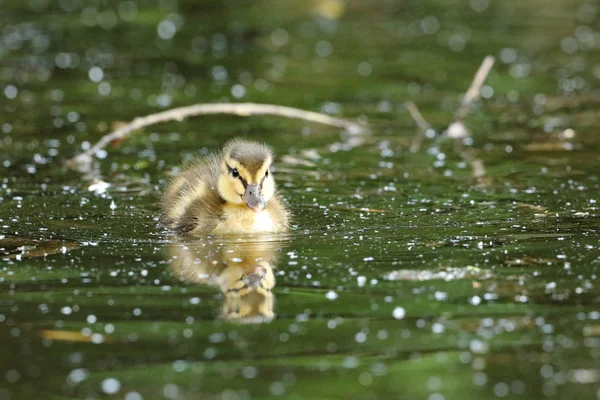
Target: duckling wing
{"x":192,"y":201}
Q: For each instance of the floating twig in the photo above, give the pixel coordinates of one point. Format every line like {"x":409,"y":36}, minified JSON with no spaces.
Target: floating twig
{"x":416,"y":115}
{"x":474,"y":91}
{"x":457,"y":130}
{"x":82,"y":161}
{"x":478,"y":168}
{"x":422,"y":124}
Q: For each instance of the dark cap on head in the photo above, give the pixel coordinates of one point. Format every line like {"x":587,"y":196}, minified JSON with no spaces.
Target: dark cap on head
{"x":251,"y":155}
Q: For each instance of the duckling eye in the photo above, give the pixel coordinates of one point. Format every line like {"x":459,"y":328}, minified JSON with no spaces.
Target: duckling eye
{"x":235,"y":173}
{"x":267,"y":173}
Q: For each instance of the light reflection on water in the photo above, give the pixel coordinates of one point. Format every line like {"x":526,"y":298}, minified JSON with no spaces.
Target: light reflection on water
{"x":403,"y":276}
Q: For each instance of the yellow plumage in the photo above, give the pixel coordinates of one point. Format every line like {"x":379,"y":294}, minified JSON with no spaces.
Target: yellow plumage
{"x":233,"y":192}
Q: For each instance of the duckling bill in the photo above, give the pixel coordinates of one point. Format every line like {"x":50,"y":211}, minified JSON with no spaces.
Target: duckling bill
{"x":233,"y":192}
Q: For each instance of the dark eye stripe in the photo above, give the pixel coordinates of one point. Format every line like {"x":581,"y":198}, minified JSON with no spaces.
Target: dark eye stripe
{"x":232,"y":172}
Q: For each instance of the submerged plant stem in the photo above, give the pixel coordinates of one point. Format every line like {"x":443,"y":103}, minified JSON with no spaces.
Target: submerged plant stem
{"x":82,"y":161}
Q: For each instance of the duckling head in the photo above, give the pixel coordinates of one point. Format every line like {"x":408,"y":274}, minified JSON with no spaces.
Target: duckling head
{"x":245,"y":176}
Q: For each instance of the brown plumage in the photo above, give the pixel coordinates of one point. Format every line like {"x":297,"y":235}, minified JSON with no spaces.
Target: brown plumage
{"x":251,"y":155}
{"x":233,"y":192}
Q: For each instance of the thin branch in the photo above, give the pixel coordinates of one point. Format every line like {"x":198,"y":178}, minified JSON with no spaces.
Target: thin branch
{"x":478,"y":168}
{"x":417,"y":116}
{"x":457,"y":130}
{"x":477,"y":165}
{"x":475,"y":90}
{"x":422,"y":124}
{"x":82,"y":161}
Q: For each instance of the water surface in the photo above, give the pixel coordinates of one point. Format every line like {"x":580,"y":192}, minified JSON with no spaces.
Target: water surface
{"x":404,"y":276}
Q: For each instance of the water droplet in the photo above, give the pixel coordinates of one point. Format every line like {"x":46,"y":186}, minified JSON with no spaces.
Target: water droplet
{"x":111,"y":386}
{"x":331,"y":295}
{"x":399,"y":313}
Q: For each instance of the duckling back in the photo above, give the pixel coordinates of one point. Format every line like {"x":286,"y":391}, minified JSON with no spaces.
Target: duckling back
{"x":192,"y":202}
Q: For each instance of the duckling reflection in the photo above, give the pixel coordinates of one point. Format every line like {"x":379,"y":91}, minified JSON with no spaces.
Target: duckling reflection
{"x":242,"y":270}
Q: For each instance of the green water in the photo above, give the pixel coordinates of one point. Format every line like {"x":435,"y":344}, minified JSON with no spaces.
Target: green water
{"x":403,"y":278}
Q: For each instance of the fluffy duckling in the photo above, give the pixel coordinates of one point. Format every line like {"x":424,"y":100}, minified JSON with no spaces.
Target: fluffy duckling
{"x":233,"y":192}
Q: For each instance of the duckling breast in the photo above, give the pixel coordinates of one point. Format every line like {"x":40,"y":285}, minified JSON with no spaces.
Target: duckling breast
{"x":241,"y":219}
{"x":263,"y":222}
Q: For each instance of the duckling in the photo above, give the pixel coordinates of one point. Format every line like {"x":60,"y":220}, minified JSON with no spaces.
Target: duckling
{"x":230,"y":193}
